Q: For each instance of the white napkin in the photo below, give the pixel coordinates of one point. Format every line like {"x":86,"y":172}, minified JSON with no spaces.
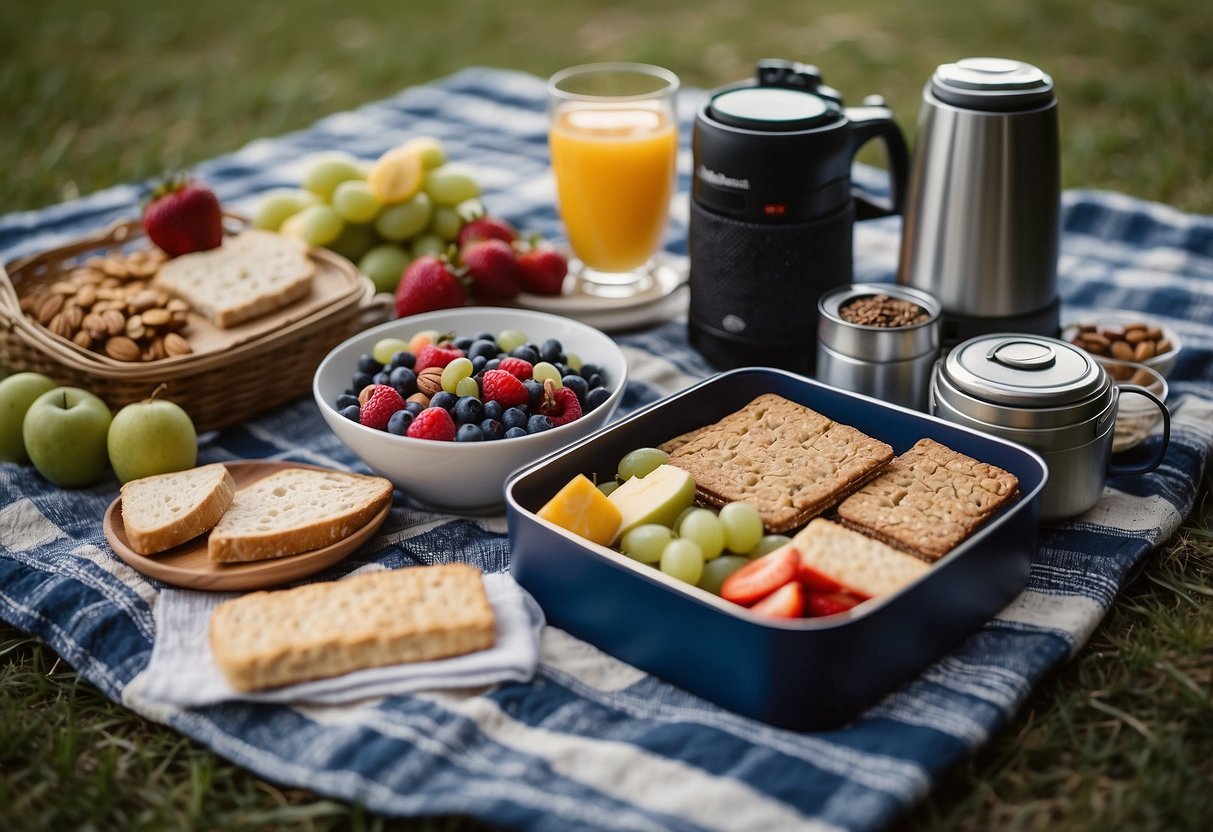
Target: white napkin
{"x":183,"y":672}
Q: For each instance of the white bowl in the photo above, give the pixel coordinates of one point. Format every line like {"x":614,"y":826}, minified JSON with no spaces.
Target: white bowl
{"x":467,"y":477}
{"x":1136,"y":416}
{"x":1163,"y":363}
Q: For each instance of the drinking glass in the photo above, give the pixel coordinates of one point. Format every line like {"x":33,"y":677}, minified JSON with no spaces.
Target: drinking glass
{"x":613,"y":135}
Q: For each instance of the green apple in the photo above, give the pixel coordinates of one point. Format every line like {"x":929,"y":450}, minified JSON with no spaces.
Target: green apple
{"x":657,"y":497}
{"x":154,"y":436}
{"x":17,"y":393}
{"x":64,"y":432}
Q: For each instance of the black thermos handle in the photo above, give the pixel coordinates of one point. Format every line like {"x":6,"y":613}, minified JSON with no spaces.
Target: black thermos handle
{"x":875,"y":121}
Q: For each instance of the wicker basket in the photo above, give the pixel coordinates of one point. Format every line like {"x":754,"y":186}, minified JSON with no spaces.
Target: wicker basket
{"x":217,"y":387}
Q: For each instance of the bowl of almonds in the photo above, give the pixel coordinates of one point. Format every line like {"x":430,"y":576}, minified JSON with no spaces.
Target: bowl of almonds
{"x":1125,"y":337}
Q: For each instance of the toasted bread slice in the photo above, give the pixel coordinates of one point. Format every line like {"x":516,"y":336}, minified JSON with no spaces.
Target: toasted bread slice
{"x":315,"y":631}
{"x":295,"y":510}
{"x":166,"y":510}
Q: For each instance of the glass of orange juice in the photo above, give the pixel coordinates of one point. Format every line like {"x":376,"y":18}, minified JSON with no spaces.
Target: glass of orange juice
{"x":613,"y":136}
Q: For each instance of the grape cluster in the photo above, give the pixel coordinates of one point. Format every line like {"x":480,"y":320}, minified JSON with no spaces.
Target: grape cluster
{"x":456,"y":374}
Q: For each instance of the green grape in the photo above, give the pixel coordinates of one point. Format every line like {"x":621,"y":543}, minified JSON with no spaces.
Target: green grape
{"x":470,"y":209}
{"x":424,"y":244}
{"x":573,"y":361}
{"x":405,"y":219}
{"x":319,"y":224}
{"x":430,"y":149}
{"x":769,"y":543}
{"x":742,"y":527}
{"x":353,"y":241}
{"x":353,"y":200}
{"x":640,"y":462}
{"x":384,"y":265}
{"x":608,"y":486}
{"x":682,"y":515}
{"x":509,"y":340}
{"x":703,"y":528}
{"x":460,"y":368}
{"x":543,"y":371}
{"x":468,"y":387}
{"x":385,"y":348}
{"x":646,"y":542}
{"x":446,"y":223}
{"x":683,"y":560}
{"x":328,"y":171}
{"x":715,"y":571}
{"x":277,"y":206}
{"x":450,"y":185}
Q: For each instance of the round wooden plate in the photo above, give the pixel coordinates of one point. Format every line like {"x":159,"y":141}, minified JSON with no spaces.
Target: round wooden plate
{"x":187,"y":565}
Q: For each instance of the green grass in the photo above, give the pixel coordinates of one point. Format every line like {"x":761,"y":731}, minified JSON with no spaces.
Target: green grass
{"x":98,"y":94}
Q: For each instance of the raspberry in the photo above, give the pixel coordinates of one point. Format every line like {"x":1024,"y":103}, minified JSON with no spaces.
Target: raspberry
{"x":519,"y":368}
{"x":559,"y":404}
{"x":433,"y":423}
{"x":382,"y":402}
{"x":434,"y":355}
{"x":502,"y":387}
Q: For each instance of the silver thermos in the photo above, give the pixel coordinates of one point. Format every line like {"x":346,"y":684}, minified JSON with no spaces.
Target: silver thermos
{"x":982,"y":209}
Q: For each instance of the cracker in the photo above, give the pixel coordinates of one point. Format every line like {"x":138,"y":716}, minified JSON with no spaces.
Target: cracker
{"x":788,"y":461}
{"x":319,"y":630}
{"x":929,"y":499}
{"x":857,"y":563}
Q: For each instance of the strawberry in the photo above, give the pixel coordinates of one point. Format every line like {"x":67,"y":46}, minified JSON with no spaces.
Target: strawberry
{"x":428,"y":284}
{"x":436,"y":355}
{"x":519,"y":368}
{"x":815,"y":581}
{"x":183,"y":215}
{"x":829,"y":603}
{"x":541,"y":271}
{"x":383,"y":401}
{"x":759,"y":578}
{"x":785,"y":602}
{"x":492,"y":268}
{"x":487,"y":228}
{"x":559,"y":404}
{"x":502,"y":387}
{"x":433,"y":423}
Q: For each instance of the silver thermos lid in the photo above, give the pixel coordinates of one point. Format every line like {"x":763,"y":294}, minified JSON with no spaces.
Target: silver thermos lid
{"x":992,"y":84}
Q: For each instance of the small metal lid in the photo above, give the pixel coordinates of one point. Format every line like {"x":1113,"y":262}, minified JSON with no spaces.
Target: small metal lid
{"x":995,"y":84}
{"x":773,"y":109}
{"x":1026,"y":371}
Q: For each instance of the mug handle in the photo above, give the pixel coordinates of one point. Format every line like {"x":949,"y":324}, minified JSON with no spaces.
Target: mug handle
{"x":875,"y":121}
{"x":1150,"y":464}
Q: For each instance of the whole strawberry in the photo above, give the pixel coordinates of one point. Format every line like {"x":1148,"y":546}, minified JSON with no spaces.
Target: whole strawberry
{"x":383,"y":401}
{"x":433,"y":423}
{"x":559,"y":404}
{"x":428,"y":284}
{"x":541,"y":271}
{"x":183,"y":215}
{"x":504,"y":388}
{"x":487,"y":228}
{"x":435,"y":355}
{"x":492,"y":269}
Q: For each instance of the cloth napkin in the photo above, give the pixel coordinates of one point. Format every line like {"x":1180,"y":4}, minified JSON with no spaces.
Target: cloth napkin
{"x":182,"y":670}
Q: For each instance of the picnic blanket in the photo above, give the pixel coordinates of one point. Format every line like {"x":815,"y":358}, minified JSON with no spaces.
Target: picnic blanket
{"x":591,"y":742}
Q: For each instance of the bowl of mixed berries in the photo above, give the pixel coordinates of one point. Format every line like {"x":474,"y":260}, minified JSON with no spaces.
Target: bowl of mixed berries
{"x":447,"y":404}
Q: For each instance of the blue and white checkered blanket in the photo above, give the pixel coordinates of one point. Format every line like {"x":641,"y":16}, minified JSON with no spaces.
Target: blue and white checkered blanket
{"x":592,"y":742}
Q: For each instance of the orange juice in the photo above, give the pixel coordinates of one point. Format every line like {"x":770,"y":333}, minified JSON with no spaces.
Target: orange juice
{"x":614,"y":171}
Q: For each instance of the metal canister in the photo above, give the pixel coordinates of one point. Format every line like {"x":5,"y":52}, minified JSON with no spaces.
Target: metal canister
{"x":891,"y":363}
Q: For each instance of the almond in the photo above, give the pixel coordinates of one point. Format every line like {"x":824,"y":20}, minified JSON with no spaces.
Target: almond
{"x":121,"y":348}
{"x":175,"y":344}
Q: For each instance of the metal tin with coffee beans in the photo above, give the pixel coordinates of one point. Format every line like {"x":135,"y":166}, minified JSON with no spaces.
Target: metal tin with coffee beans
{"x":880,"y":340}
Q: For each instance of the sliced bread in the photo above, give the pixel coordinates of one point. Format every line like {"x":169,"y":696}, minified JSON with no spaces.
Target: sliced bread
{"x":251,"y":274}
{"x":166,"y":510}
{"x":315,"y":631}
{"x":295,"y":510}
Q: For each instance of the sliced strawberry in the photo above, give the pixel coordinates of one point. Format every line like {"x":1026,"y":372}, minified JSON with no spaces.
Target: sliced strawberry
{"x":785,"y":602}
{"x":828,"y":603}
{"x":815,"y":581}
{"x":759,"y":578}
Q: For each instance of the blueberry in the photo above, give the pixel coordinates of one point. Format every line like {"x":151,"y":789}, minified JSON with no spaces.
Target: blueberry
{"x":345,"y":400}
{"x":595,"y":380}
{"x":493,"y":410}
{"x":469,"y":433}
{"x":478,"y":364}
{"x":534,"y":391}
{"x":351,"y":412}
{"x":381,"y":377}
{"x":404,"y":380}
{"x":527,"y":353}
{"x":463,"y":343}
{"x":588,"y":370}
{"x":538,"y":423}
{"x":444,"y":400}
{"x":468,"y":410}
{"x":398,"y":423}
{"x":414,"y":407}
{"x":513,"y":418}
{"x":577,"y":384}
{"x":551,"y":350}
{"x":482,"y":347}
{"x":492,"y":428}
{"x":404,"y":358}
{"x":485,"y":335}
{"x":367,"y":364}
{"x":361,"y":380}
{"x":514,"y":433}
{"x":596,"y":397}
{"x":492,"y":364}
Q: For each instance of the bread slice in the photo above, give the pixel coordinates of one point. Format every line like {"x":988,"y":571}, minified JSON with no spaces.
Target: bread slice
{"x":165,"y":510}
{"x":296,"y":510}
{"x":251,"y":274}
{"x":315,"y":631}
{"x":859,"y":564}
